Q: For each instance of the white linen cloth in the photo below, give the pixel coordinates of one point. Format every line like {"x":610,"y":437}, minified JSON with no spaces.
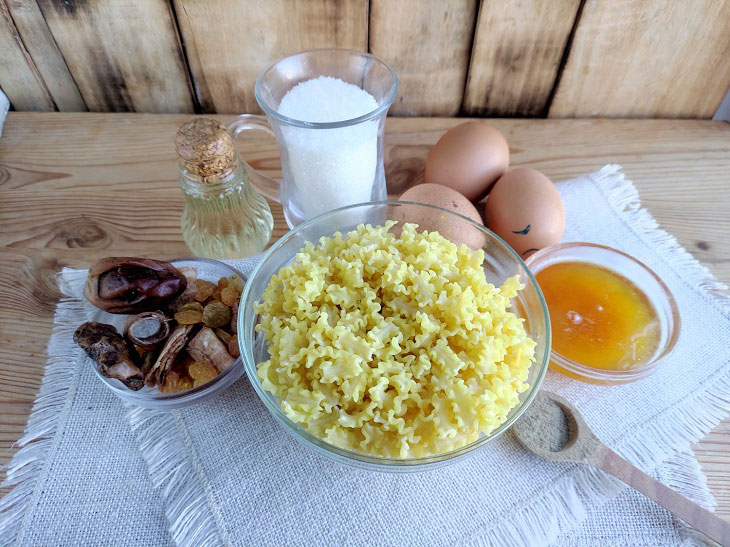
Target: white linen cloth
{"x":224,"y":472}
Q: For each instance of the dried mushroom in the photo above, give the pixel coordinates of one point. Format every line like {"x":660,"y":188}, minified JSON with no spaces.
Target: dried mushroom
{"x":147,"y":329}
{"x":206,"y":347}
{"x":133,"y":285}
{"x":112,"y":353}
{"x":174,"y":345}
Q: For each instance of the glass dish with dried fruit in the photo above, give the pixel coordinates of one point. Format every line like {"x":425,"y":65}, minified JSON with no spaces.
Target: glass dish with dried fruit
{"x":165,"y":333}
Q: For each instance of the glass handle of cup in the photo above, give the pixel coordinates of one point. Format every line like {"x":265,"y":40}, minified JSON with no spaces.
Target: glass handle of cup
{"x":268,"y":186}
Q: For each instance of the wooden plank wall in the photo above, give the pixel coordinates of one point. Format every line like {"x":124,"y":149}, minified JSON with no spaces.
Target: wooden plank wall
{"x":230,"y":42}
{"x":19,"y":77}
{"x":555,"y":58}
{"x":430,"y":53}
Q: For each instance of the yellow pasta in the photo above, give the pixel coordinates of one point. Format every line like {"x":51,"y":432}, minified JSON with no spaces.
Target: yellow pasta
{"x":393,"y":346}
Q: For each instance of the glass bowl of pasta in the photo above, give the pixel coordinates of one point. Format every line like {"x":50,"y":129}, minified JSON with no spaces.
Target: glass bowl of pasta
{"x":393,"y":336}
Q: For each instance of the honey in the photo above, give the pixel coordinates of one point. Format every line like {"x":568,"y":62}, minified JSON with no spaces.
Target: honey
{"x":599,"y":318}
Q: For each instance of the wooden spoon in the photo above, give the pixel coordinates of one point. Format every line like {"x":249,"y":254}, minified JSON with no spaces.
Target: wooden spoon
{"x":553,"y":429}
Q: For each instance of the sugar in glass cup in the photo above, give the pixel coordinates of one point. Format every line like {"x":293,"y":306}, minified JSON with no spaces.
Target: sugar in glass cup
{"x":210,"y":270}
{"x":325,"y":164}
{"x":500,"y":263}
{"x":643,"y":278}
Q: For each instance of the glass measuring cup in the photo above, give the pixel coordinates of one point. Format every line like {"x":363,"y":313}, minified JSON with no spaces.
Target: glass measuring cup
{"x":325,"y":165}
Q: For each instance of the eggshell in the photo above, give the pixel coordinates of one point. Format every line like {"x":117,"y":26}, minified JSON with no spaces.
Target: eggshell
{"x":525,"y":209}
{"x":468,"y":158}
{"x":456,"y":230}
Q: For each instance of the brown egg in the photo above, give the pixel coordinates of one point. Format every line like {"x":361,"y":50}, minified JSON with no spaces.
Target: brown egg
{"x":525,"y":209}
{"x":454,"y":229}
{"x":468,"y":158}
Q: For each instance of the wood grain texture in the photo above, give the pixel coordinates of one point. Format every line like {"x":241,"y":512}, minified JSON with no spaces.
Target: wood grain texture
{"x":428,"y":42}
{"x":41,"y":46}
{"x":123,"y":56}
{"x":59,"y":208}
{"x":230,"y":42}
{"x":647,"y":58}
{"x":19,"y":77}
{"x":516,"y":54}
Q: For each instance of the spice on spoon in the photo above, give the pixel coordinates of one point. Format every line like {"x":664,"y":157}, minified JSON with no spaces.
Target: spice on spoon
{"x":545,"y":425}
{"x":553,"y":428}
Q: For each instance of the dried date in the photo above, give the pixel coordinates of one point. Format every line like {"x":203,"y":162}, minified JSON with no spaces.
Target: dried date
{"x":133,"y":285}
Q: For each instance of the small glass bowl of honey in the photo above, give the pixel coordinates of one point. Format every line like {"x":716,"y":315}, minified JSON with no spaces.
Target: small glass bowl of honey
{"x":613,"y":320}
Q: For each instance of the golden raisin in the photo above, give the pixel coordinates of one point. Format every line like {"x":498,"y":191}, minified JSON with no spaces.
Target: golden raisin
{"x":174,"y":383}
{"x":201,"y":373}
{"x":229,"y":296}
{"x":233,"y":348}
{"x":236,"y":283}
{"x":196,"y":306}
{"x":223,"y":335}
{"x":222,"y":283}
{"x":180,"y":365}
{"x":185,"y":383}
{"x":189,"y":317}
{"x":216,"y":314}
{"x":205,"y":290}
{"x":234,"y":319}
{"x":170,"y":381}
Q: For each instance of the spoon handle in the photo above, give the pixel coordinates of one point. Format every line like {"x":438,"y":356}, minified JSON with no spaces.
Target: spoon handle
{"x":696,"y":516}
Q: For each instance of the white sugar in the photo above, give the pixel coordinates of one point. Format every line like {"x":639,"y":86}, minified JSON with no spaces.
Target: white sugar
{"x":326,"y":99}
{"x":329,"y":168}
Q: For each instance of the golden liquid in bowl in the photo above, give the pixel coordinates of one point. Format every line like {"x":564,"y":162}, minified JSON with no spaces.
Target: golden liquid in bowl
{"x":599,"y":318}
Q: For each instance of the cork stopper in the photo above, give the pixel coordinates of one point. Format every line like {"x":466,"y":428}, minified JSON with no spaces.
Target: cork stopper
{"x":205,"y":147}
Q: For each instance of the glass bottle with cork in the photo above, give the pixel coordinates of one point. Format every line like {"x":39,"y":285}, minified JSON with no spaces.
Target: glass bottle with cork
{"x":224,"y":216}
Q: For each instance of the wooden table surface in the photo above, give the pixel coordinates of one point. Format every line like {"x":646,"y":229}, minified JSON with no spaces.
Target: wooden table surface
{"x":78,"y":187}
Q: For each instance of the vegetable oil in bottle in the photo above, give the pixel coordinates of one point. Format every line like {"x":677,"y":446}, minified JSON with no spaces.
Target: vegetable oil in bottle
{"x":224,"y":216}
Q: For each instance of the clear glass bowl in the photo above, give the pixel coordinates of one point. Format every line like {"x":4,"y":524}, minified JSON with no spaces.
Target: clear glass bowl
{"x":210,"y":270}
{"x":500,"y":263}
{"x":643,"y":278}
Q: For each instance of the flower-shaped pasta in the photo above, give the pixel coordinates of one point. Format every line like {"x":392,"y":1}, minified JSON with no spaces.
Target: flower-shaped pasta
{"x":393,"y":346}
